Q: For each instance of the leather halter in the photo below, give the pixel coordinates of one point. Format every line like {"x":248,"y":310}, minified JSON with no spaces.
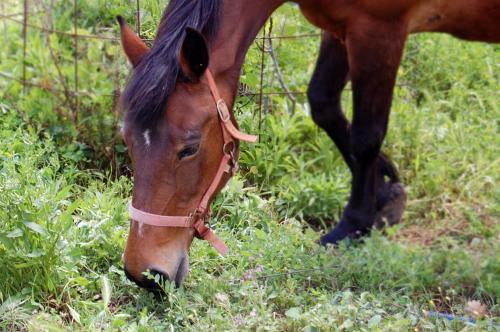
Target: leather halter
{"x":200,"y":218}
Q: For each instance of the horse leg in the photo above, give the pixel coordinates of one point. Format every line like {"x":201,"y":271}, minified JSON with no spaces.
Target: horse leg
{"x":374,"y":51}
{"x":324,"y":93}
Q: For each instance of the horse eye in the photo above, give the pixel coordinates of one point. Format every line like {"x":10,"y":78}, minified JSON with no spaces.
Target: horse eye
{"x":189,"y":151}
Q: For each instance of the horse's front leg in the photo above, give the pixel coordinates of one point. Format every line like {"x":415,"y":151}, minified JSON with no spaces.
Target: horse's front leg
{"x":325,"y":90}
{"x":374,"y":51}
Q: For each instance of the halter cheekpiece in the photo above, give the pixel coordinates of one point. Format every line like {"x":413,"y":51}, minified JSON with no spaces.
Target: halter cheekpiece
{"x":200,"y":218}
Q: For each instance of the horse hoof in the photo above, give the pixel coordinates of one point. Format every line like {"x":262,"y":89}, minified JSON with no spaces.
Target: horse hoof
{"x":343,"y":231}
{"x":392,"y":205}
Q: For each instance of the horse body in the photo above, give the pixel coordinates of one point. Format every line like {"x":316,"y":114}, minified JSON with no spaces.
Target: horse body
{"x":363,"y":41}
{"x":471,"y":20}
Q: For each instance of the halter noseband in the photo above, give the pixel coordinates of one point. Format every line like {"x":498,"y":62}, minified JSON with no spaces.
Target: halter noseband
{"x":201,"y":216}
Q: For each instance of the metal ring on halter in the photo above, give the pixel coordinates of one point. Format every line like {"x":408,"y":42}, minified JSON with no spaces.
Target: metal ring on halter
{"x":201,"y":229}
{"x":195,"y":216}
{"x":231,"y":151}
{"x":223,"y":110}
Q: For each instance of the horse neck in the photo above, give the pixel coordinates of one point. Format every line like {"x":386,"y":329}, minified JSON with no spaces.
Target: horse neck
{"x":241,"y":20}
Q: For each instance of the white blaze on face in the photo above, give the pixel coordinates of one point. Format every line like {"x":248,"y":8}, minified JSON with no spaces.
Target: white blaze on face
{"x":140,"y":230}
{"x":147,"y":138}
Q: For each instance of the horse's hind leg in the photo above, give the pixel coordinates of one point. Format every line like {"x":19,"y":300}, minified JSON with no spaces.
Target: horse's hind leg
{"x":328,"y":81}
{"x":324,"y":93}
{"x":374,"y":54}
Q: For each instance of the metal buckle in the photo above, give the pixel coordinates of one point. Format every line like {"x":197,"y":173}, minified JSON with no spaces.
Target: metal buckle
{"x":195,"y":216}
{"x":201,"y":228}
{"x":228,"y":149}
{"x":205,"y":230}
{"x":232,"y":166}
{"x":223,"y":110}
{"x":199,"y":221}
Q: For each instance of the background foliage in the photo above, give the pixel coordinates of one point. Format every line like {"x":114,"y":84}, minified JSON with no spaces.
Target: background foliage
{"x":65,"y":191}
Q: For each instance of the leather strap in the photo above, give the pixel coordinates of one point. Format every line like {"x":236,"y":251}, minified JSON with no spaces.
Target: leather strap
{"x":225,"y":115}
{"x":200,"y":218}
{"x":159,"y":220}
{"x":223,"y":168}
{"x":205,"y":233}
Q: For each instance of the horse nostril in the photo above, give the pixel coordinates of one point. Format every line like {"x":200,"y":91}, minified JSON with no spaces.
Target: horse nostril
{"x":163,"y":277}
{"x":147,"y":282}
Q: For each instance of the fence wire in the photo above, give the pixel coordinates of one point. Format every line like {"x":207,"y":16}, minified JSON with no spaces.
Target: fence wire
{"x":68,"y":71}
{"x":62,"y":75}
{"x":265,"y":42}
{"x":23,"y":18}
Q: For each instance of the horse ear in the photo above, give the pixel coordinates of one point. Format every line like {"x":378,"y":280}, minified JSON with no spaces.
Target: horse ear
{"x":193,"y":57}
{"x":134,"y":47}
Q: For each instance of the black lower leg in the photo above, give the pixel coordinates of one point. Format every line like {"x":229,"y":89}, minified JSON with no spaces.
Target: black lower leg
{"x":324,"y":93}
{"x":359,"y":214}
{"x":325,"y":89}
{"x":373,"y":79}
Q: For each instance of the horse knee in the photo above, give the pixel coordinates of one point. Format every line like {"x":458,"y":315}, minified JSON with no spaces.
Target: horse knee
{"x":366,"y":143}
{"x":324,"y":109}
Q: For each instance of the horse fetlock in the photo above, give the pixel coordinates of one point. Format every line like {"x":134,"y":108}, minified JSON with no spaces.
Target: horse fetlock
{"x":391,"y":203}
{"x":353,"y":225}
{"x":387,"y":168}
{"x":345,"y":229}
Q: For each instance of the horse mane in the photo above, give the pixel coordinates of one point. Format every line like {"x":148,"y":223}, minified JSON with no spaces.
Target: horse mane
{"x":154,"y":78}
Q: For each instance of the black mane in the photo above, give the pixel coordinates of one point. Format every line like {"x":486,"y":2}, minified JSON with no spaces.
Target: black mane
{"x":154,"y":79}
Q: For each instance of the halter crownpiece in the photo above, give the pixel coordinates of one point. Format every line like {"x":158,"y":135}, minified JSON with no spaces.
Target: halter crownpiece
{"x":200,"y":218}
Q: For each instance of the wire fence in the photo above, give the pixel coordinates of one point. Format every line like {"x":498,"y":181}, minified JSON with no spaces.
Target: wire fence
{"x":67,"y":81}
{"x":269,"y":74}
{"x":264,"y":43}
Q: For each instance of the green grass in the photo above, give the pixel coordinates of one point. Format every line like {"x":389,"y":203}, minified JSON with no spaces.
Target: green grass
{"x":63,"y":204}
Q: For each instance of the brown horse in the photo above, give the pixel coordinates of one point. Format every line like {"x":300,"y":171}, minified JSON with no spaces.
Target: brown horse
{"x":175,"y":130}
